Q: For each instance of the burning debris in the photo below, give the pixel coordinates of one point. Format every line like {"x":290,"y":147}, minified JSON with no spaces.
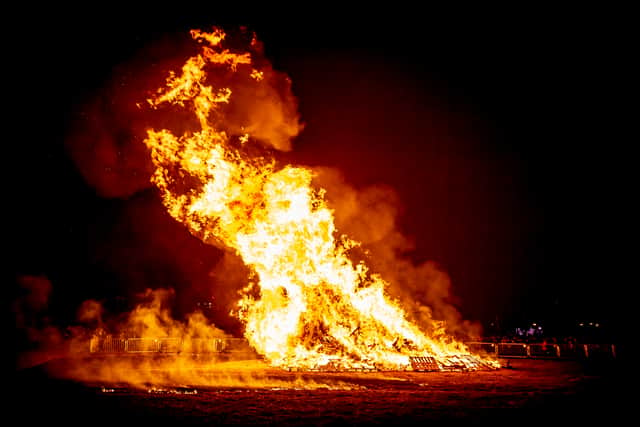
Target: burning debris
{"x":181,"y":391}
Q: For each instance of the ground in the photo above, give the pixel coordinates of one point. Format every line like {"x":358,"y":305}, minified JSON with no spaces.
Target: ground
{"x":522,"y":392}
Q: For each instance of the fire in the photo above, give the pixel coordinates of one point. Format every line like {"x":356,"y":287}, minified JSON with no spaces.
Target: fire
{"x":308,"y":304}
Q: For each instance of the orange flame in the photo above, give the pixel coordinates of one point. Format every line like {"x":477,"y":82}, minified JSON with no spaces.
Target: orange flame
{"x":309,"y":304}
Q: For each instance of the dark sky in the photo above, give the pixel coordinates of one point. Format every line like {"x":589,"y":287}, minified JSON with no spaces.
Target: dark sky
{"x":496,"y":132}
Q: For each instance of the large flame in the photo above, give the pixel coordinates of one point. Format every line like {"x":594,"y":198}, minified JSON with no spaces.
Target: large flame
{"x":308,"y":303}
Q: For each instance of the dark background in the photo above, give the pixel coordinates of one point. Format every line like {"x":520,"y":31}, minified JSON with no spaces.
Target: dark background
{"x":497,"y":128}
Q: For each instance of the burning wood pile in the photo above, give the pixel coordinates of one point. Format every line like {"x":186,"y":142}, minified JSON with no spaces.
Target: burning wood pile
{"x":309,"y":305}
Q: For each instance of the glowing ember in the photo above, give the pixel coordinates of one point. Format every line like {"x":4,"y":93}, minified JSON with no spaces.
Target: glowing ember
{"x":309,"y":305}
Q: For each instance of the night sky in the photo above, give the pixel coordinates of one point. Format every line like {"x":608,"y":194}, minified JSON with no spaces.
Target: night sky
{"x":497,"y":134}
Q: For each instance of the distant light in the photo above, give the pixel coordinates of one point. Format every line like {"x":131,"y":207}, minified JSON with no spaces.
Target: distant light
{"x":581,"y":324}
{"x":597,"y":325}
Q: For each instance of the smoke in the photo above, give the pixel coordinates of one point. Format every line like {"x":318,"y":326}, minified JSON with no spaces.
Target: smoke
{"x":263,"y":107}
{"x":30,"y":311}
{"x":155,"y":375}
{"x":152,"y":318}
{"x":106,"y":132}
{"x":230,"y":275}
{"x":63,"y":351}
{"x":38,"y":339}
{"x":150,"y":321}
{"x":36,"y":291}
{"x":267,"y":112}
{"x":91,"y":312}
{"x":370,"y":215}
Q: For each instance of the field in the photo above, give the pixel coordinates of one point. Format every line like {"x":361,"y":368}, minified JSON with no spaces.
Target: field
{"x":545,"y":391}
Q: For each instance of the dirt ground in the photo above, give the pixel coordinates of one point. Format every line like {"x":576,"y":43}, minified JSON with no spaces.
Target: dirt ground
{"x":523,"y":392}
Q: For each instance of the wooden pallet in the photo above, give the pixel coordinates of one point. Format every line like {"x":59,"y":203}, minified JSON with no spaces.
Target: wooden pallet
{"x":424,"y":363}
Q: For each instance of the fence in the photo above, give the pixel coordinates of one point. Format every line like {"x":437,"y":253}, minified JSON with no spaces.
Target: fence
{"x":544,"y":350}
{"x":110,"y":344}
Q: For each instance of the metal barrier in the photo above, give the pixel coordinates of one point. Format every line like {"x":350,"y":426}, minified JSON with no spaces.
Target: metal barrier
{"x":110,"y":344}
{"x":544,"y":350}
{"x":141,"y":345}
{"x":572,"y":351}
{"x":107,"y":345}
{"x":512,"y":350}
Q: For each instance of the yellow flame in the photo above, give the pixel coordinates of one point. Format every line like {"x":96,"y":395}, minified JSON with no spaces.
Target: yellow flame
{"x":314,"y":305}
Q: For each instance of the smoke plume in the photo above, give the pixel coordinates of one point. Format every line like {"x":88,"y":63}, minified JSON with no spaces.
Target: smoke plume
{"x":106,"y":132}
{"x":370,"y":215}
